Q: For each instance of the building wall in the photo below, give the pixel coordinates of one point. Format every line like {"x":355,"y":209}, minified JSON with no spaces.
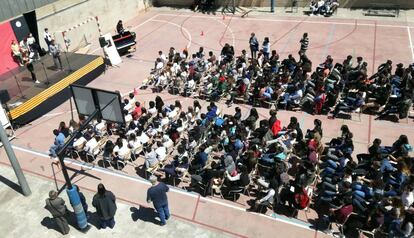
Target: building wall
{"x":63,"y":14}
{"x":13,"y":8}
{"x":284,"y":3}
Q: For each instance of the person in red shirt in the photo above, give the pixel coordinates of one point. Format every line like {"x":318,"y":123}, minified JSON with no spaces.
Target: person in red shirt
{"x":137,"y":111}
{"x":340,"y":215}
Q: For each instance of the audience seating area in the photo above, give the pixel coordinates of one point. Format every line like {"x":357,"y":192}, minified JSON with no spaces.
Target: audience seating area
{"x":277,"y":166}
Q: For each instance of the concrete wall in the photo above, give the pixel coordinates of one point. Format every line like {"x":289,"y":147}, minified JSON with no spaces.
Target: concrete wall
{"x":284,"y":3}
{"x":13,"y":8}
{"x":63,"y":14}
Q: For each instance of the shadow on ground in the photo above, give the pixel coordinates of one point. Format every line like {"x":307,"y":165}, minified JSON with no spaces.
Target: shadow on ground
{"x":11,"y":184}
{"x":145,"y":214}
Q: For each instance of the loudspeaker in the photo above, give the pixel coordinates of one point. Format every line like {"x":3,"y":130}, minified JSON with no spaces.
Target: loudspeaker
{"x":102,"y":42}
{"x":4,"y":96}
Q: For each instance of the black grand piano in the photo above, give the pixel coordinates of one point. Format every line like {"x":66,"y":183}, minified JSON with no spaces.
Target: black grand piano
{"x":125,"y":42}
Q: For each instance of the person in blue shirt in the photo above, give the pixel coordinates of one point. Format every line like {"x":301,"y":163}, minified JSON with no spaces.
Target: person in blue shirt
{"x":59,"y":142}
{"x":211,"y":112}
{"x":157,"y":194}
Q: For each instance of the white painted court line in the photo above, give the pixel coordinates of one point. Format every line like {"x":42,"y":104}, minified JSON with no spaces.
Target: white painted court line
{"x":132,"y":28}
{"x":173,"y":189}
{"x":294,"y":21}
{"x":99,"y":169}
{"x":411,"y":43}
{"x":300,"y":224}
{"x":190,"y":39}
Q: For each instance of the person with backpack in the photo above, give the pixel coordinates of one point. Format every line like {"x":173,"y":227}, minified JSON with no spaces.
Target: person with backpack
{"x":296,"y":197}
{"x":104,"y":202}
{"x":56,"y":206}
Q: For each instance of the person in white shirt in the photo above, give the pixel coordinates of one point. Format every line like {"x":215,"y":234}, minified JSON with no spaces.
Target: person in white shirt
{"x":152,"y":109}
{"x":161,"y":151}
{"x":30,"y":39}
{"x":173,"y":112}
{"x":121,"y":149}
{"x":91,"y":145}
{"x":48,"y":38}
{"x":159,"y":65}
{"x":134,"y":143}
{"x":165,"y":119}
{"x":150,"y":158}
{"x":167,"y":142}
{"x":407,"y":197}
{"x":162,"y":57}
{"x":142,"y":137}
{"x":79,"y":143}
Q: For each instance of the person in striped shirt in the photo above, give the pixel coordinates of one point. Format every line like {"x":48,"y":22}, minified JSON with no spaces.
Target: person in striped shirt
{"x":304,"y":43}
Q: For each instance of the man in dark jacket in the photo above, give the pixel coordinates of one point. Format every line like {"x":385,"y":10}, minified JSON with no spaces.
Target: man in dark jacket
{"x":56,"y":206}
{"x":157,"y":194}
{"x":104,"y":202}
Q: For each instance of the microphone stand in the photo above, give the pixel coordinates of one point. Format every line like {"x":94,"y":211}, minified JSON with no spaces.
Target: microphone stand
{"x":47,"y":83}
{"x":17,"y":82}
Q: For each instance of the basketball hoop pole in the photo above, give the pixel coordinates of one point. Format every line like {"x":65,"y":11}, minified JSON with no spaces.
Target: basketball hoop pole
{"x":70,"y":189}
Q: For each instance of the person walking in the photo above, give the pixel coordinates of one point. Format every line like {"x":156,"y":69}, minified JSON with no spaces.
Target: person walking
{"x":254,"y":45}
{"x":104,"y":202}
{"x":55,"y":51}
{"x":157,"y":193}
{"x":56,"y":206}
{"x":304,"y":43}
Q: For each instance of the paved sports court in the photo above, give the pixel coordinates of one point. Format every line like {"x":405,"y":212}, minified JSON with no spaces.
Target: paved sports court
{"x":375,"y":40}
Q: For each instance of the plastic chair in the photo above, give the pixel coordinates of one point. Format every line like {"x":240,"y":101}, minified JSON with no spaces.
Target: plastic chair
{"x":236,"y":191}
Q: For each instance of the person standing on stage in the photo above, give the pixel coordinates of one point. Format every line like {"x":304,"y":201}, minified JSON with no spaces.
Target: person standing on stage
{"x":54,"y":49}
{"x":48,"y":38}
{"x":15,"y":48}
{"x":254,"y":45}
{"x":30,"y":67}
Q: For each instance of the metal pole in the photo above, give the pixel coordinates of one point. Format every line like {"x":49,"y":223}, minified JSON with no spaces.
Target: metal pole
{"x":14,"y":162}
{"x":71,"y":108}
{"x":272,"y":5}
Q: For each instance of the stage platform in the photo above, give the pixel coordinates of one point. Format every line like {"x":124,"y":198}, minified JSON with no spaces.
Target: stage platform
{"x":32,"y":100}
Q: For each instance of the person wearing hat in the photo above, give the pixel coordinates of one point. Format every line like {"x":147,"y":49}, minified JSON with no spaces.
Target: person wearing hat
{"x":157,"y":194}
{"x":56,"y":206}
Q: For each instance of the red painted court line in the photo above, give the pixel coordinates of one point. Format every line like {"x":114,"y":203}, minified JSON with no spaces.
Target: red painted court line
{"x":225,"y":31}
{"x":135,"y":203}
{"x":375,"y":48}
{"x":195,"y":210}
{"x":288,"y":32}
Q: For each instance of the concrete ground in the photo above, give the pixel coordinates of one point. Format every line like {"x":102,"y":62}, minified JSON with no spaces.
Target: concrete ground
{"x":131,"y":221}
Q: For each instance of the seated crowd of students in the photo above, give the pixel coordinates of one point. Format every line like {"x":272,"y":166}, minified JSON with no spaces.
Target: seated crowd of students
{"x":278,"y":166}
{"x":288,"y":84}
